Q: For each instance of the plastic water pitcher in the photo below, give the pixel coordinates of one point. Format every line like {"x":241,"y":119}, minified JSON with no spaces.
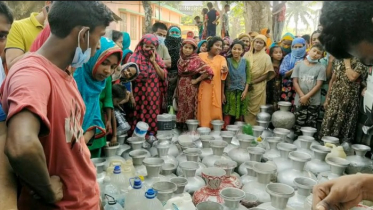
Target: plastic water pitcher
{"x":136,"y":194}
{"x":336,"y":151}
{"x":112,"y":204}
{"x":183,"y":202}
{"x":119,"y":181}
{"x":151,"y":202}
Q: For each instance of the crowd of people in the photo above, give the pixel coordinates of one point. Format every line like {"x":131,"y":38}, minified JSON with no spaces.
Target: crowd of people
{"x":64,"y":77}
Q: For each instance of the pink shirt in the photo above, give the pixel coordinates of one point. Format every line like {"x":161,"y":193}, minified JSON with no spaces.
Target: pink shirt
{"x":34,"y":83}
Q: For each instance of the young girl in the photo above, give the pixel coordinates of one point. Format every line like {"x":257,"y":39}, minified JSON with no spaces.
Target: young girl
{"x":237,"y":84}
{"x":227,"y":43}
{"x":202,"y":46}
{"x":191,"y":71}
{"x":308,"y":77}
{"x":91,"y":81}
{"x":274,"y":84}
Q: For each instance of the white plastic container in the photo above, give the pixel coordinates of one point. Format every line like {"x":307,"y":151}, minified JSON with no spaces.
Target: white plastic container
{"x":135,"y":195}
{"x":164,"y":122}
{"x":183,"y":202}
{"x":141,"y":129}
{"x":120,"y":181}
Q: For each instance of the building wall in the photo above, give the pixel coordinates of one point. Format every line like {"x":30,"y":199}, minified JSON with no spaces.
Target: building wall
{"x":132,"y":14}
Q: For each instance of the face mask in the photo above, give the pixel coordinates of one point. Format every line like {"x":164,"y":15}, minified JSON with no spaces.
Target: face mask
{"x":300,"y":52}
{"x":81,"y":58}
{"x":175,"y":35}
{"x":312,"y":60}
{"x":161,"y":40}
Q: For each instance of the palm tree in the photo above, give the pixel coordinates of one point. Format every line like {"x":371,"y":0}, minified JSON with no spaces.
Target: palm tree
{"x":299,"y":10}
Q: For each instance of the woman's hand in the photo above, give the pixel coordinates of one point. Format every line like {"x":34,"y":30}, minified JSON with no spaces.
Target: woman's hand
{"x":363,"y":92}
{"x":223,"y":100}
{"x":326,"y":104}
{"x":341,"y":193}
{"x":224,"y":69}
{"x":194,"y":81}
{"x":113,"y":141}
{"x":152,"y":57}
{"x":243,"y":95}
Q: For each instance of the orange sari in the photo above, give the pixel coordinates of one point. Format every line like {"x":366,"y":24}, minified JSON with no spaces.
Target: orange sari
{"x":209,"y":94}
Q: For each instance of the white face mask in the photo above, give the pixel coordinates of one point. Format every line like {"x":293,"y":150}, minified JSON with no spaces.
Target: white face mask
{"x":161,"y":39}
{"x":81,"y":58}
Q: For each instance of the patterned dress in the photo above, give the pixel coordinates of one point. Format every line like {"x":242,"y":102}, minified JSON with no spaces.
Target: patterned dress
{"x":189,"y":67}
{"x":148,"y":88}
{"x":341,"y":115}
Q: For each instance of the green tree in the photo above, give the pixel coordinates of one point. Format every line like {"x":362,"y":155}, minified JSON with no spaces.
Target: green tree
{"x":299,"y":11}
{"x":174,"y":4}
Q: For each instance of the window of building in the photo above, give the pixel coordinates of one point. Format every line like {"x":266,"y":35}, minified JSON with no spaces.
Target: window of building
{"x":123,"y":23}
{"x":134,"y":27}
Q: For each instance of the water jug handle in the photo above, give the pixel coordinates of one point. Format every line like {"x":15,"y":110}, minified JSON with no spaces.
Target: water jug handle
{"x":330,"y":145}
{"x":174,"y":206}
{"x":133,"y":178}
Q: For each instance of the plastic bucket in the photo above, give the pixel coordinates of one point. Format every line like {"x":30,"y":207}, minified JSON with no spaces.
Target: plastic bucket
{"x":141,"y":129}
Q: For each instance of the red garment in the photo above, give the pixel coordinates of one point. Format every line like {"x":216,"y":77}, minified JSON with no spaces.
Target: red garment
{"x":189,"y":67}
{"x":190,"y":35}
{"x":40,"y":39}
{"x":42,"y":88}
{"x":148,"y":89}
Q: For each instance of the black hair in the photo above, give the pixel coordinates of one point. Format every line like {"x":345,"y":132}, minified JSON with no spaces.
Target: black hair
{"x":272,"y":50}
{"x":195,"y":37}
{"x":212,"y":41}
{"x":209,"y":5}
{"x":197,"y":17}
{"x":318,"y":46}
{"x":307,"y":37}
{"x":119,"y":91}
{"x":66,"y":15}
{"x":5,"y":10}
{"x":315,"y":32}
{"x":116,"y":35}
{"x":235,"y":41}
{"x":345,"y":23}
{"x":205,"y":10}
{"x":158,"y":25}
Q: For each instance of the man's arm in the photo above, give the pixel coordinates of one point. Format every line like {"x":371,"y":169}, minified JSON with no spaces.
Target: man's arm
{"x":8,"y":185}
{"x":26,"y":154}
{"x":15,"y":46}
{"x":167,"y":58}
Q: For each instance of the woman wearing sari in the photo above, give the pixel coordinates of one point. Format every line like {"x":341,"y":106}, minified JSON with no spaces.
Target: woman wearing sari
{"x":91,"y":80}
{"x":246,"y":39}
{"x":210,"y":93}
{"x":191,"y":71}
{"x":261,"y":71}
{"x":173,"y":44}
{"x":126,"y":50}
{"x":149,"y":88}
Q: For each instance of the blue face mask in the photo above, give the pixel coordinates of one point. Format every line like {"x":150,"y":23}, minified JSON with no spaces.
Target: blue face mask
{"x":312,"y":60}
{"x":81,"y":58}
{"x":161,"y":40}
{"x":175,"y":32}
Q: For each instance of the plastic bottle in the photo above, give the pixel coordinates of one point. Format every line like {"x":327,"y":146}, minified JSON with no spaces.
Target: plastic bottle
{"x":151,"y":138}
{"x":151,"y":202}
{"x":122,"y":125}
{"x":112,"y":204}
{"x":119,"y":181}
{"x":135,"y":194}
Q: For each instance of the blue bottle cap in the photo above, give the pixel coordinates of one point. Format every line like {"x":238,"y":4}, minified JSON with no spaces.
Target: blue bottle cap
{"x":137,"y":184}
{"x":116,"y":170}
{"x":150,"y":194}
